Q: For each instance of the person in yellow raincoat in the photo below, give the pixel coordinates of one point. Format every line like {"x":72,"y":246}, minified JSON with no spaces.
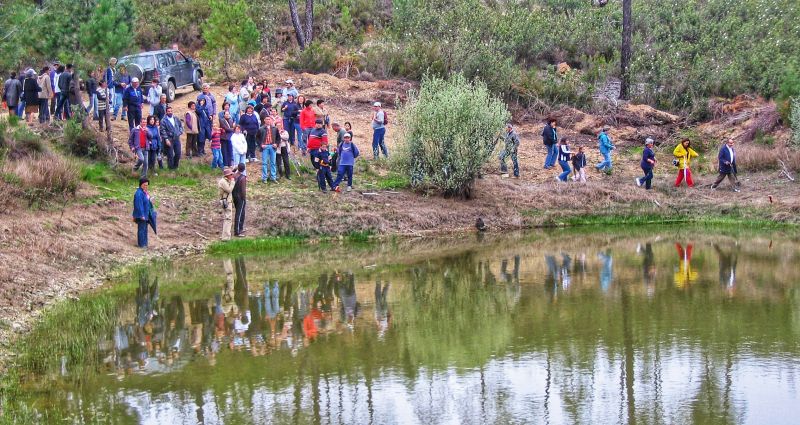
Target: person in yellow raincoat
{"x":685,"y":275}
{"x":683,"y":157}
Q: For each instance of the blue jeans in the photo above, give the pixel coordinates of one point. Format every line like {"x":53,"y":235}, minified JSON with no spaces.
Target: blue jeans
{"x":303,"y":145}
{"x":324,"y":176}
{"x":566,"y":170}
{"x":216,"y":158}
{"x":268,"y":164}
{"x":203,"y":135}
{"x":239,"y":159}
{"x":552,"y":154}
{"x":377,"y":142}
{"x":647,"y":179}
{"x":44,"y":110}
{"x":63,"y":106}
{"x":141,"y":233}
{"x":344,"y":170}
{"x":606,"y":161}
{"x":118,"y":106}
{"x":92,"y":106}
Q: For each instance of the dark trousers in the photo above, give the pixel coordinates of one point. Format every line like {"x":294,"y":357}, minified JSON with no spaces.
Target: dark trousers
{"x":344,"y":171}
{"x":152,"y":157}
{"x":44,"y":111}
{"x":323,"y":176}
{"x":312,"y":155}
{"x":134,"y":118}
{"x":141,"y":233}
{"x":227,"y":152}
{"x":731,"y":178}
{"x":202,"y":136}
{"x":238,"y":217}
{"x":191,"y":145}
{"x":282,"y":161}
{"x":647,"y":179}
{"x":173,"y":154}
{"x":63,"y":107}
{"x":251,"y":145}
{"x":104,"y":119}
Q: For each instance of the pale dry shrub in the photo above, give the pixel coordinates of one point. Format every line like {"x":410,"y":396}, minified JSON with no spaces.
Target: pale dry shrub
{"x":43,"y":178}
{"x":758,"y":158}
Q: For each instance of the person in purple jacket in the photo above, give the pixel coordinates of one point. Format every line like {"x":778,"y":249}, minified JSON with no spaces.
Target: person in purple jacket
{"x":647,"y":164}
{"x":348,"y":152}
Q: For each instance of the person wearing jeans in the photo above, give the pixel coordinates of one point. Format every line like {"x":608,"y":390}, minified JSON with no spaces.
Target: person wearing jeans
{"x":647,"y":164}
{"x":348,"y":152}
{"x":268,"y":138}
{"x":239,"y":143}
{"x":171,"y":130}
{"x":45,"y":95}
{"x":139,"y":141}
{"x":142,"y":212}
{"x":550,"y":140}
{"x":122,"y":82}
{"x":605,"y":146}
{"x":564,"y":155}
{"x":378,"y":130}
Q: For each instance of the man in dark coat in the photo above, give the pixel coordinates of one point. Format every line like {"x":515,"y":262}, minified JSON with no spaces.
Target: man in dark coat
{"x":727,"y":166}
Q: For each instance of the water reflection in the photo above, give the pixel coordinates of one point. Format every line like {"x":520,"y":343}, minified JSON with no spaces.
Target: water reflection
{"x":559,"y":332}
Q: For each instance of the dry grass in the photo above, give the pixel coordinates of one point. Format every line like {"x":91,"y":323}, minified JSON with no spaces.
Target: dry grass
{"x":759,"y":158}
{"x":41,"y":179}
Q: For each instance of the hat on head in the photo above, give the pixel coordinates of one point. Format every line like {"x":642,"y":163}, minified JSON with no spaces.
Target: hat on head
{"x":605,"y":128}
{"x":649,"y":141}
{"x":378,"y":104}
{"x":347,"y":136}
{"x":134,"y":80}
{"x":319,"y":121}
{"x":289,"y":81}
{"x":284,"y":135}
{"x":226,"y":171}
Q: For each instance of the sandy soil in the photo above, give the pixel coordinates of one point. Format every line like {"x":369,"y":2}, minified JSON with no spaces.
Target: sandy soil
{"x":51,"y":255}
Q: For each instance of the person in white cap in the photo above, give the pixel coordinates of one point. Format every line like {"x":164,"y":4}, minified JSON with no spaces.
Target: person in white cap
{"x":290,"y":89}
{"x":379,"y":121}
{"x":647,"y":164}
{"x":132,"y":96}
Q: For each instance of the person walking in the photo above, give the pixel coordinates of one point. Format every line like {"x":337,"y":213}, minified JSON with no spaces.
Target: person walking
{"x":239,"y":144}
{"x":284,"y":169}
{"x":122,"y":81}
{"x":579,"y":166}
{"x":564,"y":156}
{"x":133,"y":98}
{"x":510,"y":148}
{"x":239,"y":195}
{"x":683,"y":157}
{"x":192,"y":129}
{"x":347,"y":154}
{"x":647,"y":164}
{"x":144,"y":214}
{"x":605,"y":146}
{"x":550,"y":140}
{"x":204,"y":121}
{"x":30,"y":90}
{"x":268,"y":138}
{"x":45,"y":95}
{"x":249,"y":126}
{"x":379,"y":122}
{"x":226,"y":185}
{"x":104,"y":106}
{"x":171,"y":130}
{"x":139,"y":143}
{"x":11,"y":92}
{"x":727,"y":166}
{"x":226,"y":125}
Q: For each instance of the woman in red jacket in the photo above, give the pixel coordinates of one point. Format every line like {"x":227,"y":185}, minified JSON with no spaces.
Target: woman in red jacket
{"x":307,"y":121}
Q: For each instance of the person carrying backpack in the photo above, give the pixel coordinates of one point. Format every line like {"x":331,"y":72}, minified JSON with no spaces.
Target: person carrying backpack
{"x":379,"y":122}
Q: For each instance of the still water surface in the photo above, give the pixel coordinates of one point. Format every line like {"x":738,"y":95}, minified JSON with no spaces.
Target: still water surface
{"x":674,"y":326}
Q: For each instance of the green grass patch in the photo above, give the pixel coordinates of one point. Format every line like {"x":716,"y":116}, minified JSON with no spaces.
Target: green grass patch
{"x":394,"y":182}
{"x":120,"y":183}
{"x":359,"y":236}
{"x":733,"y":218}
{"x":257,"y":245}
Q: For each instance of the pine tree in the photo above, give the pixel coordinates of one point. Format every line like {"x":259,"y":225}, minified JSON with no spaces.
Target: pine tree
{"x":230,"y":31}
{"x":107,"y":32}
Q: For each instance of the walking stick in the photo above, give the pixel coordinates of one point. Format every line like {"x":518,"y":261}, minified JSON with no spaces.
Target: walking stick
{"x":296,"y":162}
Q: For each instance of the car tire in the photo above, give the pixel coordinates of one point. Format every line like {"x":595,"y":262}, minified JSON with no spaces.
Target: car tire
{"x":170,"y":92}
{"x":196,"y":81}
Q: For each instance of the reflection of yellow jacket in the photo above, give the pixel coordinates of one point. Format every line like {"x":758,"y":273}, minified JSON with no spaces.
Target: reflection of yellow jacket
{"x":685,"y":275}
{"x":684,"y":156}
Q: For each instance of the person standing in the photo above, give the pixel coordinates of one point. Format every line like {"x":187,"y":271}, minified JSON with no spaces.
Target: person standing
{"x":284,"y":169}
{"x":103,"y":106}
{"x":550,"y":140}
{"x":683,"y":155}
{"x":45,"y":95}
{"x":226,"y":185}
{"x":232,"y":99}
{"x":379,"y":121}
{"x":122,"y":81}
{"x":154,"y":145}
{"x":109,"y":75}
{"x":91,"y":93}
{"x":75,"y":93}
{"x":605,"y":146}
{"x":564,"y":155}
{"x":510,"y":148}
{"x":204,"y":121}
{"x":727,"y":166}
{"x":211,"y":101}
{"x":268,"y":138}
{"x":133,"y":98}
{"x":63,"y":106}
{"x":579,"y":166}
{"x":316,"y":138}
{"x":291,"y":116}
{"x":171,"y":130}
{"x":160,"y":109}
{"x":239,"y":200}
{"x":139,"y":142}
{"x":307,"y":123}
{"x":154,"y":95}
{"x":30,"y":90}
{"x":11,"y":91}
{"x":143,"y":212}
{"x":323,"y":159}
{"x":59,"y":69}
{"x":216,"y":147}
{"x":249,"y":126}
{"x":239,"y":145}
{"x":647,"y":164}
{"x":192,"y":129}
{"x":226,"y":124}
{"x":347,"y":153}
{"x":290,"y":89}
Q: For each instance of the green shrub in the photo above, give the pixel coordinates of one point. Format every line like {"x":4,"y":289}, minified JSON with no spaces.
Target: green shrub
{"x":83,"y":142}
{"x":449,"y":130}
{"x":795,"y":121}
{"x":317,"y":57}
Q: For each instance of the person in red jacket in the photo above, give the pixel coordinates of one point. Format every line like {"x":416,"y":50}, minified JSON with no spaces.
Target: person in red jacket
{"x":316,"y":138}
{"x":307,"y":120}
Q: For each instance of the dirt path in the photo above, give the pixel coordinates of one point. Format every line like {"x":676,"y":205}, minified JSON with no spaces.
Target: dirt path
{"x":51,"y":255}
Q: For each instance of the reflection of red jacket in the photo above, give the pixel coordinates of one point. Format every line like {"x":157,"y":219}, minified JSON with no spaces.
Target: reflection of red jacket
{"x":309,"y":327}
{"x":307,"y":118}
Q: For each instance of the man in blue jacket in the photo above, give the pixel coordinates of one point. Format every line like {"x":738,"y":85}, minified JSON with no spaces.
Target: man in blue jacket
{"x":133,"y":97}
{"x":143,"y":214}
{"x":121,"y":82}
{"x":727,"y":166}
{"x":605,"y":146}
{"x":550,"y":139}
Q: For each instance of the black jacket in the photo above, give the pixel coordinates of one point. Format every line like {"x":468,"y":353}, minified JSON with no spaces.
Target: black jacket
{"x":549,"y":135}
{"x":160,"y":110}
{"x":31,"y":90}
{"x":63,"y":82}
{"x":261,"y":136}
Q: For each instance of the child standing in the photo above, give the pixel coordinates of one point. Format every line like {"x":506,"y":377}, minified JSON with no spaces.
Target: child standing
{"x":647,"y":164}
{"x":347,"y":155}
{"x":563,"y":159}
{"x":216,"y":147}
{"x":579,"y":165}
{"x":323,"y":160}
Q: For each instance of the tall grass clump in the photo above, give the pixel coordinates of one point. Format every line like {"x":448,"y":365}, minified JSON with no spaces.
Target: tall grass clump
{"x":449,"y":130}
{"x":42,"y":178}
{"x":795,"y":121}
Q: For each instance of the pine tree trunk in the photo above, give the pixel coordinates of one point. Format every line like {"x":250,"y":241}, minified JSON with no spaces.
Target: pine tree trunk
{"x":625,"y":61}
{"x":309,"y":21}
{"x":298,"y":28}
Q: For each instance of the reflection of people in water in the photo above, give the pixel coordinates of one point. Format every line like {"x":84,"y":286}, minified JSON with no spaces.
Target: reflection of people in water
{"x":649,"y":269}
{"x":606,"y":270}
{"x":685,"y":275}
{"x":551,"y":279}
{"x":566,"y":264}
{"x":383,"y":316}
{"x":727,"y":266}
{"x":347,"y":295}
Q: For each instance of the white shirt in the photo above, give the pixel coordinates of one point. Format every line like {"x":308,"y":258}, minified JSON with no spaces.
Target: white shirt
{"x":730,"y":151}
{"x":239,"y":143}
{"x":55,"y":83}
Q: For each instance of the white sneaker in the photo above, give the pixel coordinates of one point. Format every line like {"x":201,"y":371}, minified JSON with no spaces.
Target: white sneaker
{"x":504,"y":175}
{"x":349,"y":188}
{"x":638,"y":182}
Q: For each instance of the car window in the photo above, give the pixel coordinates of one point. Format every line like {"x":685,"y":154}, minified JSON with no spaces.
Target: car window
{"x":145,"y":61}
{"x":180,"y":57}
{"x":171,"y":59}
{"x":163,"y":62}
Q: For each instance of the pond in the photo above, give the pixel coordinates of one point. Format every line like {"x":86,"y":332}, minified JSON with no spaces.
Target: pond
{"x":654,"y":325}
